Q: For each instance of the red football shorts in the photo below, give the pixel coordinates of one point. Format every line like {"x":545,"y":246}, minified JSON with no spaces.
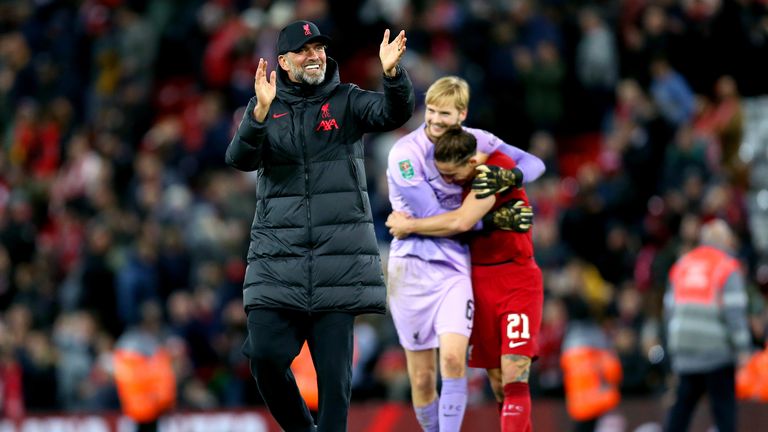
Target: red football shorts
{"x":508,"y":305}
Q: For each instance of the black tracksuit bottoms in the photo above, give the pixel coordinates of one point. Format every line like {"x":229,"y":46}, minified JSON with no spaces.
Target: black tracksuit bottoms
{"x":719,"y":384}
{"x":275,"y":338}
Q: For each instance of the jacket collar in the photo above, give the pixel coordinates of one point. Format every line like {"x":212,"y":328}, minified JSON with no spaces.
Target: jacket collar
{"x":292,"y":92}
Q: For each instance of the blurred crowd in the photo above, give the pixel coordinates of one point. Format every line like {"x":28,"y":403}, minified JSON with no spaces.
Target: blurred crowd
{"x":117,"y":210}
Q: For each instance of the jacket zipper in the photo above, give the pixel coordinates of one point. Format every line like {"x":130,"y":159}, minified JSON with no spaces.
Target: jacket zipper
{"x":301,"y":126}
{"x":260,"y":195}
{"x":357,"y":184}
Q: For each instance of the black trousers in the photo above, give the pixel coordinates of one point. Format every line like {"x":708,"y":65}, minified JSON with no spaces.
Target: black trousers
{"x":147,"y":427}
{"x":585,"y":425}
{"x":275,"y":338}
{"x":719,"y":385}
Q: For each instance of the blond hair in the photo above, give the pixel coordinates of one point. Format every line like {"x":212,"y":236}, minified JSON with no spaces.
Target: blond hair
{"x":449,"y":90}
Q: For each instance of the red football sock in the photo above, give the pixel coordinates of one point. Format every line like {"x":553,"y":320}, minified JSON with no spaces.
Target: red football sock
{"x":516,"y":413}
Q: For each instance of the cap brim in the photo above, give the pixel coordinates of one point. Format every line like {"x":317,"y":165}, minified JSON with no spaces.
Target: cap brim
{"x":318,"y":38}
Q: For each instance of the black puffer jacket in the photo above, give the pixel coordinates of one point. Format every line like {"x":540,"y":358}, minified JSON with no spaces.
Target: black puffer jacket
{"x":312,"y":242}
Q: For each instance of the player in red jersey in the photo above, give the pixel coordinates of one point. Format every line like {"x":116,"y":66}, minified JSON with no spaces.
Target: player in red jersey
{"x":506,"y":280}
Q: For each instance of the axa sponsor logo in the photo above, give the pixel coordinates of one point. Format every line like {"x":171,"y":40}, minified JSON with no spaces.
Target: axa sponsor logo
{"x":327,"y":122}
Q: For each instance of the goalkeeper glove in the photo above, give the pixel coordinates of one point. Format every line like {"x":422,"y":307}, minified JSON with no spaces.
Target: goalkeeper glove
{"x":514,"y":215}
{"x":492,"y":180}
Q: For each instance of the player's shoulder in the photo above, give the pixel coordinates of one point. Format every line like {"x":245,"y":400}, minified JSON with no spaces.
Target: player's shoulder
{"x":486,"y":141}
{"x":412,"y":144}
{"x":500,"y":159}
{"x":417,"y":136}
{"x":478,"y":132}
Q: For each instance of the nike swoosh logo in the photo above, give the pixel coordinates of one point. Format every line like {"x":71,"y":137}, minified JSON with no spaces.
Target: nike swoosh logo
{"x":517,"y":344}
{"x":279,"y":115}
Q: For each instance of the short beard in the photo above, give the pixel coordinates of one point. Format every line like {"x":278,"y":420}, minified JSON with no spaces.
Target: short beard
{"x":444,"y":126}
{"x":302,"y":77}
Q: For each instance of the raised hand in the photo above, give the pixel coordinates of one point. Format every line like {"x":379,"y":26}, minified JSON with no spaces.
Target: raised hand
{"x":390,"y":53}
{"x":491,"y":180}
{"x":265,"y":90}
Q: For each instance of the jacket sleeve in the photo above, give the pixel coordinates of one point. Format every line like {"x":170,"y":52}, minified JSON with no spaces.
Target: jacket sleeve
{"x":531,"y":166}
{"x":246,"y":148}
{"x":734,"y":303}
{"x":377,"y":112}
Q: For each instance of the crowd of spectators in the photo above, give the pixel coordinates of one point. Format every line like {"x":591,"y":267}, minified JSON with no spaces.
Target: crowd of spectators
{"x":116,"y":208}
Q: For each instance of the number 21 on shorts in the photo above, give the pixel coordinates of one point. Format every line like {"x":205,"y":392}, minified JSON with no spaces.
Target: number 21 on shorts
{"x":517,"y":328}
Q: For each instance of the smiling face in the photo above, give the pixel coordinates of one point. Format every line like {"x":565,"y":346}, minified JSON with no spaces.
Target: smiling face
{"x":446,"y":101}
{"x":439,"y":118}
{"x":307,"y":65}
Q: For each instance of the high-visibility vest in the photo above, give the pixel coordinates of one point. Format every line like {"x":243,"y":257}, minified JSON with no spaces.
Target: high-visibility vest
{"x":146,"y":385}
{"x":696,"y":331}
{"x":699,"y":276}
{"x":592,"y":377}
{"x":306,"y":377}
{"x":752,"y":378}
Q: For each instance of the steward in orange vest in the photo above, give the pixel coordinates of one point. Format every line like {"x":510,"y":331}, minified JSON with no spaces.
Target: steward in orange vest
{"x":146,"y":384}
{"x":706,"y":305}
{"x":752,"y":378}
{"x":707,"y":332}
{"x":591,"y":372}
